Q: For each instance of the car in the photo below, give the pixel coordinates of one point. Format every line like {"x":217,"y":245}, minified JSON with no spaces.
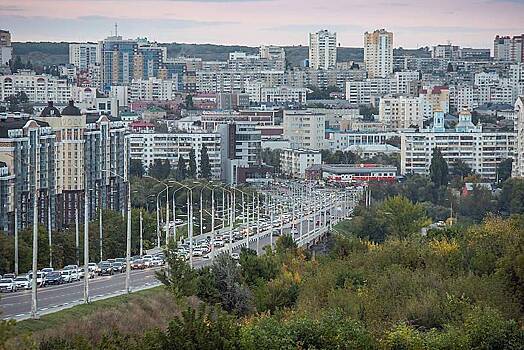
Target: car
{"x":7,"y":285}
{"x":105,"y":268}
{"x":118,"y":267}
{"x":148,"y":262}
{"x":111,"y":260}
{"x":67,"y":276}
{"x":82,"y":274}
{"x":74,"y":272}
{"x":54,"y":277}
{"x":197,"y":252}
{"x":218,"y":243}
{"x":23,"y":282}
{"x":40,"y":279}
{"x":121,"y":260}
{"x":158,"y":261}
{"x":137,"y":264}
{"x":9,"y":275}
{"x":93,"y":267}
{"x":46,"y":270}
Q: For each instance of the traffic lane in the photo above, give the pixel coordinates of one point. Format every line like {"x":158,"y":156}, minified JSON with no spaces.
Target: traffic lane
{"x":53,"y":296}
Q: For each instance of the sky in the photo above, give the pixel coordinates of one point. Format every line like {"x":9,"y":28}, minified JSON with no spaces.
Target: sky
{"x":415,"y":23}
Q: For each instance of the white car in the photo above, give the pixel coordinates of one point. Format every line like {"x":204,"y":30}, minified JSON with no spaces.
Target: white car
{"x":67,"y":275}
{"x":7,"y":285}
{"x":235,"y":256}
{"x":148,"y":262}
{"x":23,"y":282}
{"x":197,"y":252}
{"x":75,"y":276}
{"x":218,"y":243}
{"x":46,"y":270}
{"x":40,"y":279}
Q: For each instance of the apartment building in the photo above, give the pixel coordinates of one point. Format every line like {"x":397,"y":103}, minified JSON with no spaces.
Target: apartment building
{"x":294,"y":162}
{"x":6,"y":50}
{"x":83,"y":55}
{"x":282,"y":95}
{"x":322,"y":50}
{"x":342,"y":140}
{"x":518,"y":165}
{"x":401,"y":112}
{"x":378,"y":53}
{"x":153,"y":89}
{"x":305,"y":129}
{"x":37,"y":87}
{"x":481,"y":150}
{"x":150,"y":146}
{"x":506,"y":48}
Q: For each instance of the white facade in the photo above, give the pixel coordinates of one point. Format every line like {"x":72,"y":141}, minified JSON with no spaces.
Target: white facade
{"x":518,"y":164}
{"x":340,"y":141}
{"x":401,"y":112}
{"x":294,"y":162}
{"x":283,"y":94}
{"x":83,"y":55}
{"x":305,"y":129}
{"x":149,"y":147}
{"x":366,"y":91}
{"x":322,"y":50}
{"x":38,"y":88}
{"x":152,"y":89}
{"x":378,"y":53}
{"x":6,"y":54}
{"x":482,"y":151}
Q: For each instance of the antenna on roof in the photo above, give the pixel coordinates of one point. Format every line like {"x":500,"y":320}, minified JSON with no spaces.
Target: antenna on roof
{"x":116,"y":29}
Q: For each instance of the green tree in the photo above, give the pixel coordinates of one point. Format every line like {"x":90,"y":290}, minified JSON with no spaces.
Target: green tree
{"x":205,"y":166}
{"x":438,"y":169}
{"x":189,"y":102}
{"x":460,"y":168}
{"x":504,"y":170}
{"x":181,"y":169}
{"x":136,"y":168}
{"x":160,"y":169}
{"x":192,"y":165}
{"x":179,"y":278}
{"x":401,"y":217}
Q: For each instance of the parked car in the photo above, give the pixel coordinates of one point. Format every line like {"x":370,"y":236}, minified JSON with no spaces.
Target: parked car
{"x":105,"y":268}
{"x":67,"y":276}
{"x":54,"y":277}
{"x":7,"y":285}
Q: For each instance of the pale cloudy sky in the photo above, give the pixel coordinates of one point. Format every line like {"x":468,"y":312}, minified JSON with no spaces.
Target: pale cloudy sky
{"x":252,"y":22}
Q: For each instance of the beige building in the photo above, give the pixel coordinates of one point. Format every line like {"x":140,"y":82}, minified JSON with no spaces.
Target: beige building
{"x":305,"y":129}
{"x":294,"y":162}
{"x":401,"y":112}
{"x":378,"y":53}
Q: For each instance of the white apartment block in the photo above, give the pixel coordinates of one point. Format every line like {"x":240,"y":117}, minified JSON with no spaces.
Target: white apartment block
{"x":283,"y":94}
{"x":148,"y":147}
{"x":152,"y":89}
{"x":341,"y":141}
{"x":481,"y":150}
{"x":518,"y":164}
{"x":6,"y":54}
{"x":401,"y":112}
{"x":229,"y":81}
{"x":368,"y":90}
{"x":272,"y":53}
{"x":38,"y":88}
{"x":322,"y":50}
{"x":404,"y":82}
{"x":378,"y":53}
{"x":294,"y":162}
{"x":83,"y":55}
{"x":304,"y":129}
{"x":434,"y":99}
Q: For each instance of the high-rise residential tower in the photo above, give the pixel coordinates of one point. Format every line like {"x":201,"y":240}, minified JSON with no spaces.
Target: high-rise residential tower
{"x":322,"y":50}
{"x":378,"y":53}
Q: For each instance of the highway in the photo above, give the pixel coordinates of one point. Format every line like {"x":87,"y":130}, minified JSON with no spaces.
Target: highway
{"x":54,"y":298}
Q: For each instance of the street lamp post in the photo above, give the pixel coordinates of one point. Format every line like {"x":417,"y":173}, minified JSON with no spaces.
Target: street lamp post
{"x":34,"y":302}
{"x":49,"y":233}
{"x":86,"y":245}
{"x":167,"y":205}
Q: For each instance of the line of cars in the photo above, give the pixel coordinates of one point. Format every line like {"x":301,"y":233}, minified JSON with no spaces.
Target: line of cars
{"x":44,"y":277}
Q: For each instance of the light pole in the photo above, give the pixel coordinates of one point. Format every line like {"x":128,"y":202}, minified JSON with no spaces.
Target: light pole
{"x":16,"y":238}
{"x":128,"y":234}
{"x":86,"y":245}
{"x":49,"y":234}
{"x":167,"y":205}
{"x":77,"y":235}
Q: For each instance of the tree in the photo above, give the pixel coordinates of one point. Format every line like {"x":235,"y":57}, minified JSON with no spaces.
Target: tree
{"x":504,"y":170}
{"x":181,"y":169}
{"x":189,"y":102}
{"x":179,"y":278}
{"x":160,"y":169}
{"x":460,"y":168}
{"x":205,"y":167}
{"x":401,"y":217}
{"x":438,"y":169}
{"x":136,"y":168}
{"x":192,"y":165}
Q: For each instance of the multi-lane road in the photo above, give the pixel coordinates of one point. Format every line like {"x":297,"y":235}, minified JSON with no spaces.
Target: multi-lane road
{"x":54,"y":298}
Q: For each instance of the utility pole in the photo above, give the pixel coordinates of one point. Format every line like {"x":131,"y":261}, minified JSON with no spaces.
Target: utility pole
{"x":34,"y":302}
{"x":157,"y":224}
{"x":174,"y":216}
{"x":213,"y":213}
{"x":86,"y":245}
{"x":49,"y":238}
{"x":231,"y":215}
{"x":101,"y":237}
{"x":16,"y":238}
{"x":258,"y":223}
{"x":128,"y":245}
{"x":141,"y":239}
{"x":167,"y":215}
{"x":77,"y":235}
{"x":224,"y":209}
{"x":190,"y":225}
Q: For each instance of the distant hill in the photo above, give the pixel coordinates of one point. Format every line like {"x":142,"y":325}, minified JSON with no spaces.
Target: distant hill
{"x":52,"y":53}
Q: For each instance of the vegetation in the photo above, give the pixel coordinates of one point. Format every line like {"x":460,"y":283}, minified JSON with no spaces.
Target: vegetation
{"x":205,"y":166}
{"x":438,"y":169}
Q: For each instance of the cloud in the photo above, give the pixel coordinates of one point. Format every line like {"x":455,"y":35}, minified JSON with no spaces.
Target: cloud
{"x":10,"y":8}
{"x":314,"y":27}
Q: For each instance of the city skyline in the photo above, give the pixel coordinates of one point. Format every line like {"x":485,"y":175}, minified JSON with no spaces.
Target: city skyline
{"x":252,"y":22}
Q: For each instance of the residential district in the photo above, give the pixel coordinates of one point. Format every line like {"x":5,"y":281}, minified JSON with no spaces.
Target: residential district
{"x":279,"y":147}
